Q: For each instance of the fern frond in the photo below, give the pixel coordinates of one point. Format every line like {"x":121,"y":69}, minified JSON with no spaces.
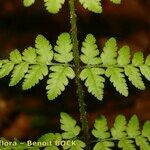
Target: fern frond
{"x":103,"y":145}
{"x":58,"y":80}
{"x":18,"y":73}
{"x":63,"y":49}
{"x":43,"y":49}
{"x":127,"y":135}
{"x":124,"y":56}
{"x":134,"y":76}
{"x":92,"y":5}
{"x":100,"y":130}
{"x":118,"y":79}
{"x":126,"y":144}
{"x":6,"y":68}
{"x":147,"y":61}
{"x":142,"y":143}
{"x":34,"y":75}
{"x":118,"y":131}
{"x":133,"y":127}
{"x":15,"y":56}
{"x":50,"y":137}
{"x":146,"y":130}
{"x":116,"y":65}
{"x":116,"y":1}
{"x":28,"y":3}
{"x":29,"y":55}
{"x":109,"y":53}
{"x":138,"y":59}
{"x":78,"y":145}
{"x":94,"y":81}
{"x":145,"y":70}
{"x":90,"y":51}
{"x":68,"y":124}
{"x":53,"y":6}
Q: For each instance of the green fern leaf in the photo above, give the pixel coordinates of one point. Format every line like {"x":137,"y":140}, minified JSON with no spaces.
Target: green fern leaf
{"x":44,"y":50}
{"x":68,"y":124}
{"x":3,"y":61}
{"x":118,"y":131}
{"x":116,"y":1}
{"x":147,"y":61}
{"x":101,"y":128}
{"x":138,"y":59}
{"x":34,"y":75}
{"x":28,"y":3}
{"x":126,"y":144}
{"x":58,"y":80}
{"x":15,"y":56}
{"x":18,"y":73}
{"x":124,"y":56}
{"x":54,"y":6}
{"x":133,"y":127}
{"x":79,"y":145}
{"x":90,"y":51}
{"x":109,"y":53}
{"x":142,"y":143}
{"x":145,"y":70}
{"x":52,"y":138}
{"x":146,"y":130}
{"x":6,"y":68}
{"x":63,"y":49}
{"x":29,"y":55}
{"x":118,"y":80}
{"x":94,"y":6}
{"x":103,"y":145}
{"x":94,"y":82}
{"x":134,"y":76}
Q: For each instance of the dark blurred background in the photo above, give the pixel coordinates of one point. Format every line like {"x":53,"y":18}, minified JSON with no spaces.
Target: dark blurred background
{"x":29,"y":114}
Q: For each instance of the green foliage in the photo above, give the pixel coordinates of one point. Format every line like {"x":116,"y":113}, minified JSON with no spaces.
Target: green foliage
{"x":28,"y":3}
{"x":126,"y":144}
{"x":63,"y":49}
{"x":133,"y":127}
{"x":134,"y":76}
{"x":109,"y":52}
{"x":58,"y":80}
{"x":100,"y":130}
{"x":123,"y":56}
{"x":118,"y":131}
{"x":43,"y":49}
{"x":103,"y":145}
{"x":142,"y":143}
{"x":33,"y":65}
{"x":114,"y":65}
{"x":68,"y":124}
{"x":118,"y":80}
{"x":34,"y":75}
{"x":18,"y":73}
{"x":127,"y":134}
{"x":90,"y":51}
{"x":52,"y":138}
{"x":53,"y":6}
{"x":94,"y":81}
{"x":94,"y":6}
{"x":146,"y":130}
{"x":116,"y":1}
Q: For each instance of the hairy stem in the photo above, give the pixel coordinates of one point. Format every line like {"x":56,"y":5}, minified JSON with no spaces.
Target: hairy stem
{"x":80,"y":92}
